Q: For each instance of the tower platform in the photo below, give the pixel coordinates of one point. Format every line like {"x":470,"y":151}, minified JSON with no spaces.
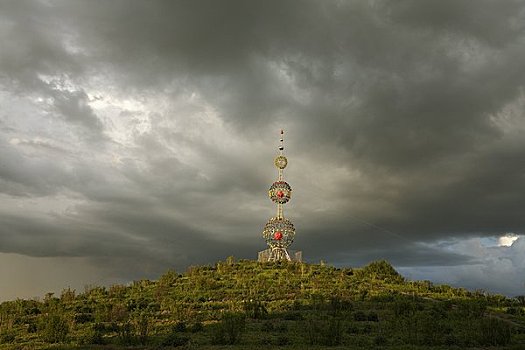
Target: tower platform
{"x":295,"y":255}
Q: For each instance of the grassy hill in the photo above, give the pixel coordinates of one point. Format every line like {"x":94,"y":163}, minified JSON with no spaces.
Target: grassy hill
{"x":249,"y":305}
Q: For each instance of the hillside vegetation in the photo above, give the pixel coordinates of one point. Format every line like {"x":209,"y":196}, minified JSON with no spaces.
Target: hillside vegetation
{"x":250,"y":305}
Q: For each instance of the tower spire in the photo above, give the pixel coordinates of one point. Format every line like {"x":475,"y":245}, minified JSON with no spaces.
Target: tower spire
{"x":281,"y":149}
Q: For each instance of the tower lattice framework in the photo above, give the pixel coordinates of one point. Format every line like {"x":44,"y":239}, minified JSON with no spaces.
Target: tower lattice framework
{"x":279,"y":232}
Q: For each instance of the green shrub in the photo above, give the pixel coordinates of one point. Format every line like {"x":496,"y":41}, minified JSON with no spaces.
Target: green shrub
{"x":229,"y":329}
{"x":32,"y":327}
{"x":179,"y":327}
{"x":324,"y":332}
{"x":196,"y":327}
{"x":472,"y":308}
{"x":451,"y":339}
{"x":292,"y":316}
{"x":333,"y":333}
{"x":55,"y":329}
{"x":380,"y":340}
{"x":280,"y":326}
{"x":367,"y":329}
{"x":255,"y":309}
{"x":7,"y":337}
{"x":175,"y":339}
{"x":125,"y":334}
{"x":93,"y":337}
{"x":516,"y":311}
{"x":142,"y":328}
{"x":372,"y":316}
{"x":267,"y":326}
{"x":282,"y":340}
{"x":494,"y":331}
{"x":404,"y":308}
{"x":353,"y":329}
{"x":265,"y":341}
{"x":360,"y":316}
{"x":83,"y":318}
{"x":313,"y":329}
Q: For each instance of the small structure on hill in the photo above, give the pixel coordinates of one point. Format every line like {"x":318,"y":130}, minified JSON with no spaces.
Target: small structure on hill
{"x":279,"y":232}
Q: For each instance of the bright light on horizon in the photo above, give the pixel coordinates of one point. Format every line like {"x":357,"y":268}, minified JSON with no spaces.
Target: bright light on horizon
{"x":507,"y":240}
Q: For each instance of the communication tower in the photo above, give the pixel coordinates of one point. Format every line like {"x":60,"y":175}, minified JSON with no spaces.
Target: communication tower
{"x":279,"y":232}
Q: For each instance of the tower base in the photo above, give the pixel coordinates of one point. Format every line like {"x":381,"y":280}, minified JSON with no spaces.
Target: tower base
{"x":280,"y":255}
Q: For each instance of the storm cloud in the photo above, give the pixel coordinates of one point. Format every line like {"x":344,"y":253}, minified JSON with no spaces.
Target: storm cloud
{"x":137,"y":136}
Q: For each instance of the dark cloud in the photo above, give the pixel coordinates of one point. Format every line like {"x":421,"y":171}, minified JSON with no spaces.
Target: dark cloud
{"x":490,"y":21}
{"x":73,"y":105}
{"x":140,"y":135}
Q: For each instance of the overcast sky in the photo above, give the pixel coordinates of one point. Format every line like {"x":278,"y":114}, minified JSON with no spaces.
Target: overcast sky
{"x":138,"y":136}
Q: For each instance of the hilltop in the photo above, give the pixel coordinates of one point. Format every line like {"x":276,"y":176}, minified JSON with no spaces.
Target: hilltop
{"x":250,"y":304}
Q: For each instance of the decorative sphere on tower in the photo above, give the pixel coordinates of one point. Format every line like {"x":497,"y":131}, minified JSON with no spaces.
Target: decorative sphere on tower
{"x":279,"y":232}
{"x":281,"y":162}
{"x":280,"y":192}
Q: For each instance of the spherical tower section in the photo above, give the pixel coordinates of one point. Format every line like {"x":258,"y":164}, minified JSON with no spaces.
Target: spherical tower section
{"x":280,"y":192}
{"x":279,"y":232}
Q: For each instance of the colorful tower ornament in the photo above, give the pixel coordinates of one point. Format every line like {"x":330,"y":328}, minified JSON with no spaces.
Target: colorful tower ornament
{"x":279,"y":232}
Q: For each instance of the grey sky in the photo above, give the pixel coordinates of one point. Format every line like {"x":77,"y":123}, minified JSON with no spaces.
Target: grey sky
{"x":137,"y":136}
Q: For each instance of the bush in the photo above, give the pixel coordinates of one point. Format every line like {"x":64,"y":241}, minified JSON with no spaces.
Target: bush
{"x":55,"y":329}
{"x":125,"y":334}
{"x":367,"y":329}
{"x":451,"y":339}
{"x":282,"y":340}
{"x":333,"y":334}
{"x":7,"y":337}
{"x":267,"y":326}
{"x":353,"y":329}
{"x":229,"y":330}
{"x":32,"y":328}
{"x":495,"y":332}
{"x":472,"y":308}
{"x":324,"y":332}
{"x":255,"y":309}
{"x":175,"y":339}
{"x":313,"y":329}
{"x":196,"y":327}
{"x":93,"y":337}
{"x":380,"y":340}
{"x":265,"y":341}
{"x":96,"y":338}
{"x":360,"y":316}
{"x":179,"y":327}
{"x":292,"y":316}
{"x":281,"y":327}
{"x":516,"y":311}
{"x":404,"y":308}
{"x":142,"y":328}
{"x":372,"y":316}
{"x":84,"y":318}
